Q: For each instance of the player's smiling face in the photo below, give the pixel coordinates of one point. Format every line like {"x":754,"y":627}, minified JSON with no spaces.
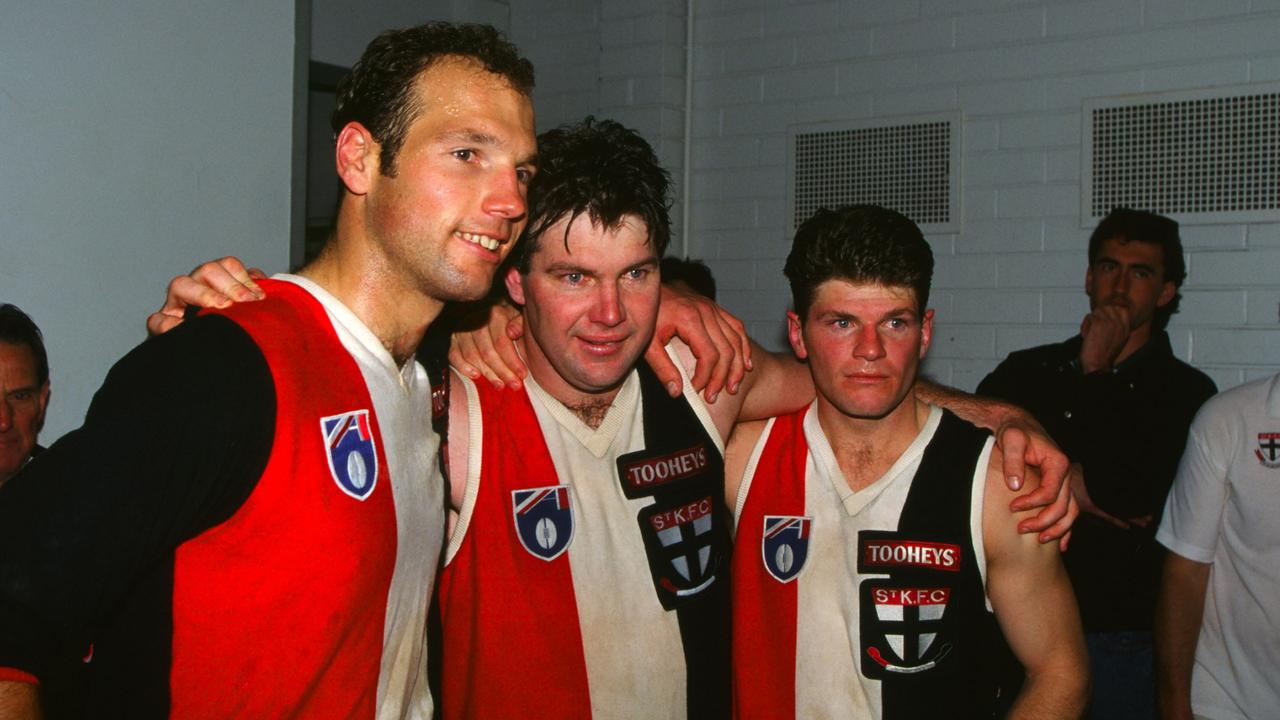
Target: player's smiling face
{"x":456,"y":202}
{"x":864,"y":343}
{"x":590,"y":304}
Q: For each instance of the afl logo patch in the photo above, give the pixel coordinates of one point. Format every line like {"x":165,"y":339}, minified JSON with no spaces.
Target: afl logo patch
{"x":785,"y":545}
{"x":352,"y":455}
{"x":543,"y":519}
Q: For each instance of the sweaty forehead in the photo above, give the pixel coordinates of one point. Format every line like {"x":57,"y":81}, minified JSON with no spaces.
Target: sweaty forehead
{"x":1133,"y":251}
{"x":570,"y":236}
{"x":846,"y":291}
{"x":459,"y":91}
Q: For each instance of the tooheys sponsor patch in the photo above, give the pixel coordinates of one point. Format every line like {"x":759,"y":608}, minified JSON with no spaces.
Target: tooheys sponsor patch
{"x":641,"y":475}
{"x":884,"y":551}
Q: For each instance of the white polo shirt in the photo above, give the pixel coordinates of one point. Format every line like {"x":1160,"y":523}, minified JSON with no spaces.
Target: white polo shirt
{"x":1224,"y":509}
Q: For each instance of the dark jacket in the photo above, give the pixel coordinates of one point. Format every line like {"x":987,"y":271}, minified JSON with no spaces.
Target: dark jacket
{"x":1127,"y":428}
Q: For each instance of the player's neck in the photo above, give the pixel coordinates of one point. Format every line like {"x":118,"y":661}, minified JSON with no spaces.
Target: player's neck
{"x":589,"y":407}
{"x":354,"y":274}
{"x":865,"y":448}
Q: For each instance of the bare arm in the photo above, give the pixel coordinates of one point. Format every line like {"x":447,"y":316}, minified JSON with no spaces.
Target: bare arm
{"x":736,"y":454}
{"x":19,"y":701}
{"x":1033,"y":602}
{"x":1179,"y":611}
{"x":1022,"y":442}
{"x":459,"y":445}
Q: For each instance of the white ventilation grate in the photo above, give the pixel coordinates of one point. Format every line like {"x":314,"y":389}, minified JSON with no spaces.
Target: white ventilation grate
{"x":1202,"y":156}
{"x":908,"y":164}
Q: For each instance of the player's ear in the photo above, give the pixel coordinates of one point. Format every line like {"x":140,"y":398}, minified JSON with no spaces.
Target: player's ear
{"x":1167,"y":293}
{"x":796,"y":335}
{"x":926,"y":332}
{"x":515,"y":285}
{"x":357,"y":155}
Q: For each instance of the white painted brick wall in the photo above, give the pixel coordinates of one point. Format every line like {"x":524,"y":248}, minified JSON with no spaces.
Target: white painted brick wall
{"x":1013,"y":275}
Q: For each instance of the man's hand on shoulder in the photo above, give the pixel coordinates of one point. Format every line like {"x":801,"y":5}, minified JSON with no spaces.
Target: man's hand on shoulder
{"x":217,"y":284}
{"x":1023,"y":443}
{"x":716,"y":338}
{"x":483,"y":344}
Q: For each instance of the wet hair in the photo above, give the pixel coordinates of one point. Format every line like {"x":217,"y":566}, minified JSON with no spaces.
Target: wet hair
{"x":379,"y":90}
{"x":1129,"y":225}
{"x":601,"y":169}
{"x":17,"y":328}
{"x":693,"y":273}
{"x":859,"y":244}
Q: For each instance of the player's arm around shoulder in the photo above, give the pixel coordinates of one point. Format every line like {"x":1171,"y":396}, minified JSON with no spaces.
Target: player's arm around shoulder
{"x":1034,"y":604}
{"x":777,"y":384}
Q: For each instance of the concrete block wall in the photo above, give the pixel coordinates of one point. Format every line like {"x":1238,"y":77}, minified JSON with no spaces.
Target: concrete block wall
{"x":1013,"y":275}
{"x":613,"y":59}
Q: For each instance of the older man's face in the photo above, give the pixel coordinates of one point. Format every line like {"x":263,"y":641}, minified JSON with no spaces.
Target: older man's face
{"x":22,"y":403}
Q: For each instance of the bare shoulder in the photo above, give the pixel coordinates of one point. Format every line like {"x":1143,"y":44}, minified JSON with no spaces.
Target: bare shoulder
{"x":737,"y":453}
{"x":459,"y":436}
{"x":1000,"y":525}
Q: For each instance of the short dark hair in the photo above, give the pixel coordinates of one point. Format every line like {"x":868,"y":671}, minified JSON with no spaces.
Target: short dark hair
{"x":861,"y":244}
{"x":17,"y":328}
{"x":1130,"y":225}
{"x":693,"y":273}
{"x":602,"y":169}
{"x":378,"y":92}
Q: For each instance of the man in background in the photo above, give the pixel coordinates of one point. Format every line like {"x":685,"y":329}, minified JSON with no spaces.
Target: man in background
{"x":1217,"y":629}
{"x":1119,"y":403}
{"x":24,"y":389}
{"x":690,"y":275}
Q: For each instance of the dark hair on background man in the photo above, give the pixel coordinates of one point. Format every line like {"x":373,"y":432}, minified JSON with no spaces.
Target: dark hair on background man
{"x":860,"y":244}
{"x":1146,"y":227}
{"x":16,"y":328}
{"x":379,"y":91}
{"x":602,"y":169}
{"x":693,"y":273}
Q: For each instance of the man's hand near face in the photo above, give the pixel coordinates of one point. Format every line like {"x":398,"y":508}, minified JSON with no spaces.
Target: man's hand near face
{"x":1105,"y":332}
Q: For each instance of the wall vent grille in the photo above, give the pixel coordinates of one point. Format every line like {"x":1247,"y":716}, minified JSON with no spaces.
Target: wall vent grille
{"x":1202,"y":156}
{"x":908,"y":164}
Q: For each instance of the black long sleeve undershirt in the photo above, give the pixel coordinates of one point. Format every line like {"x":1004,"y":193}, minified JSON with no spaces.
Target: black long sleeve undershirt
{"x":173,"y":443}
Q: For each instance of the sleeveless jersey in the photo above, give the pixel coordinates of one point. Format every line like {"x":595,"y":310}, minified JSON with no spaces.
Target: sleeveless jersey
{"x":588,"y":571}
{"x":310,"y":601}
{"x":868,"y":603}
